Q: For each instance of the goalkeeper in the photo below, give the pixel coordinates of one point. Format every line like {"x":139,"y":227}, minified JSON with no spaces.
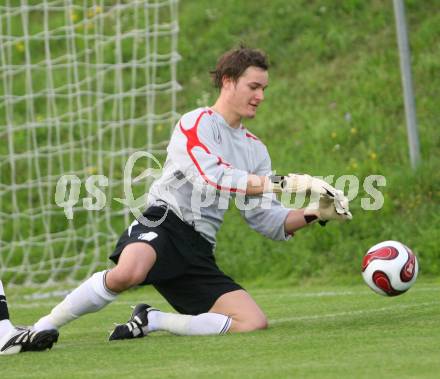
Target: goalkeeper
{"x":210,"y":155}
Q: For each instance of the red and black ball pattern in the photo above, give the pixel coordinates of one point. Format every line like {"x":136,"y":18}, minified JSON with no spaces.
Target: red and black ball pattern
{"x":380,"y":278}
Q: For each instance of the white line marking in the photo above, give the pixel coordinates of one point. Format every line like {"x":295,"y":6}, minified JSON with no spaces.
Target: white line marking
{"x":352,"y":313}
{"x":53,"y":303}
{"x":364,"y":292}
{"x":258,"y":294}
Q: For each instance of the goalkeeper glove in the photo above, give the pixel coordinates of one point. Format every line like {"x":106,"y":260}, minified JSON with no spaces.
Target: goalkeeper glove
{"x":298,"y":183}
{"x":328,"y":208}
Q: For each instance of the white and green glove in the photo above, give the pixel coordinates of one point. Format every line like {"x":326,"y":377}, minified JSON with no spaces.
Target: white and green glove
{"x":328,"y":208}
{"x":332,"y":204}
{"x":301,"y":183}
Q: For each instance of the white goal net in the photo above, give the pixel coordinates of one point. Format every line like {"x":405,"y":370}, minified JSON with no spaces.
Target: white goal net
{"x":83,"y":85}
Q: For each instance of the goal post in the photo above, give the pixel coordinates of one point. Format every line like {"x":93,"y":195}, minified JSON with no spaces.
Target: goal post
{"x":84,"y":84}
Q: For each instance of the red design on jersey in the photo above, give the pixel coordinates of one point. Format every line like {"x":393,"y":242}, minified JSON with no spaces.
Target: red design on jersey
{"x":193,"y":141}
{"x":221,"y":161}
{"x":250,"y":135}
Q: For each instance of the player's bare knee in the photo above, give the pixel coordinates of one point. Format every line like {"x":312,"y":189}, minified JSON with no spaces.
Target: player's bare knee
{"x":259,"y":323}
{"x":250,"y":324}
{"x":133,"y":266}
{"x":120,"y":280}
{"x":135,"y":278}
{"x":264,"y":323}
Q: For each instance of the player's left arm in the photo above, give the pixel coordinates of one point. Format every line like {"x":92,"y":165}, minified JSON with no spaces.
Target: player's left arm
{"x":326,"y":204}
{"x":294,"y":221}
{"x":323,"y":210}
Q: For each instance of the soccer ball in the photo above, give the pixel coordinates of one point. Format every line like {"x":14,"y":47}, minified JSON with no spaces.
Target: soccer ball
{"x":390,"y":268}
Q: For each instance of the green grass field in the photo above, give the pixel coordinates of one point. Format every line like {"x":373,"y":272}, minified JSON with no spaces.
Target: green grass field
{"x":334,"y":107}
{"x":315,"y":332}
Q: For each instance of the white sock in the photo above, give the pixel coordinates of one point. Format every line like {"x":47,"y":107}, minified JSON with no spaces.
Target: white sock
{"x":5,"y":325}
{"x":186,"y":325}
{"x":90,"y":296}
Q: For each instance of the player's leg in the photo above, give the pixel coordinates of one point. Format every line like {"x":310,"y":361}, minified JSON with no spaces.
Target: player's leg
{"x":146,"y":319}
{"x":102,"y":287}
{"x":233,"y":311}
{"x":5,"y":325}
{"x":208,"y":323}
{"x":245,"y":313}
{"x":14,"y":340}
{"x":188,"y":292}
{"x":209,"y":302}
{"x":134,"y":264}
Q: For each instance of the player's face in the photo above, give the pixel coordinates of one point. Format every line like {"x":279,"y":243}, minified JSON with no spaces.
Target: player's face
{"x":248,"y":92}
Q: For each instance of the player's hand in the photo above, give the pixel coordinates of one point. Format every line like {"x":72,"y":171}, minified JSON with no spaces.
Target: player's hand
{"x":302,"y":183}
{"x":328,"y":208}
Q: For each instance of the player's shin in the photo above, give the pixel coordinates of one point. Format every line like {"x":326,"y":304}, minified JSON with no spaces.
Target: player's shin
{"x":203,"y":324}
{"x":90,"y":296}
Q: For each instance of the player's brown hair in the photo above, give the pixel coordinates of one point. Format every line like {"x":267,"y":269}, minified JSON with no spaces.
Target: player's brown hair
{"x":234,"y":62}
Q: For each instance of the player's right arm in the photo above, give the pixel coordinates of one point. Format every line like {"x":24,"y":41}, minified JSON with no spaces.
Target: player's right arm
{"x":290,"y":183}
{"x":194,"y":151}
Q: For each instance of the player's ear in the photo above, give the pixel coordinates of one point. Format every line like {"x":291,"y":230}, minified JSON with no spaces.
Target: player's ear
{"x":227,"y":82}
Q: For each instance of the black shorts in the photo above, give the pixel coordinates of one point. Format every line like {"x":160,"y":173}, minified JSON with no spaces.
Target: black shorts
{"x":185,"y":272}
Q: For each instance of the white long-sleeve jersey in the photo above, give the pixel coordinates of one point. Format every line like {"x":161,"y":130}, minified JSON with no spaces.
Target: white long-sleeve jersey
{"x":207,"y":162}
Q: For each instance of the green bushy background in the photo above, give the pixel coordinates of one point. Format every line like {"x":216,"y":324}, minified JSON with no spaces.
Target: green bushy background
{"x":334,"y":106}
